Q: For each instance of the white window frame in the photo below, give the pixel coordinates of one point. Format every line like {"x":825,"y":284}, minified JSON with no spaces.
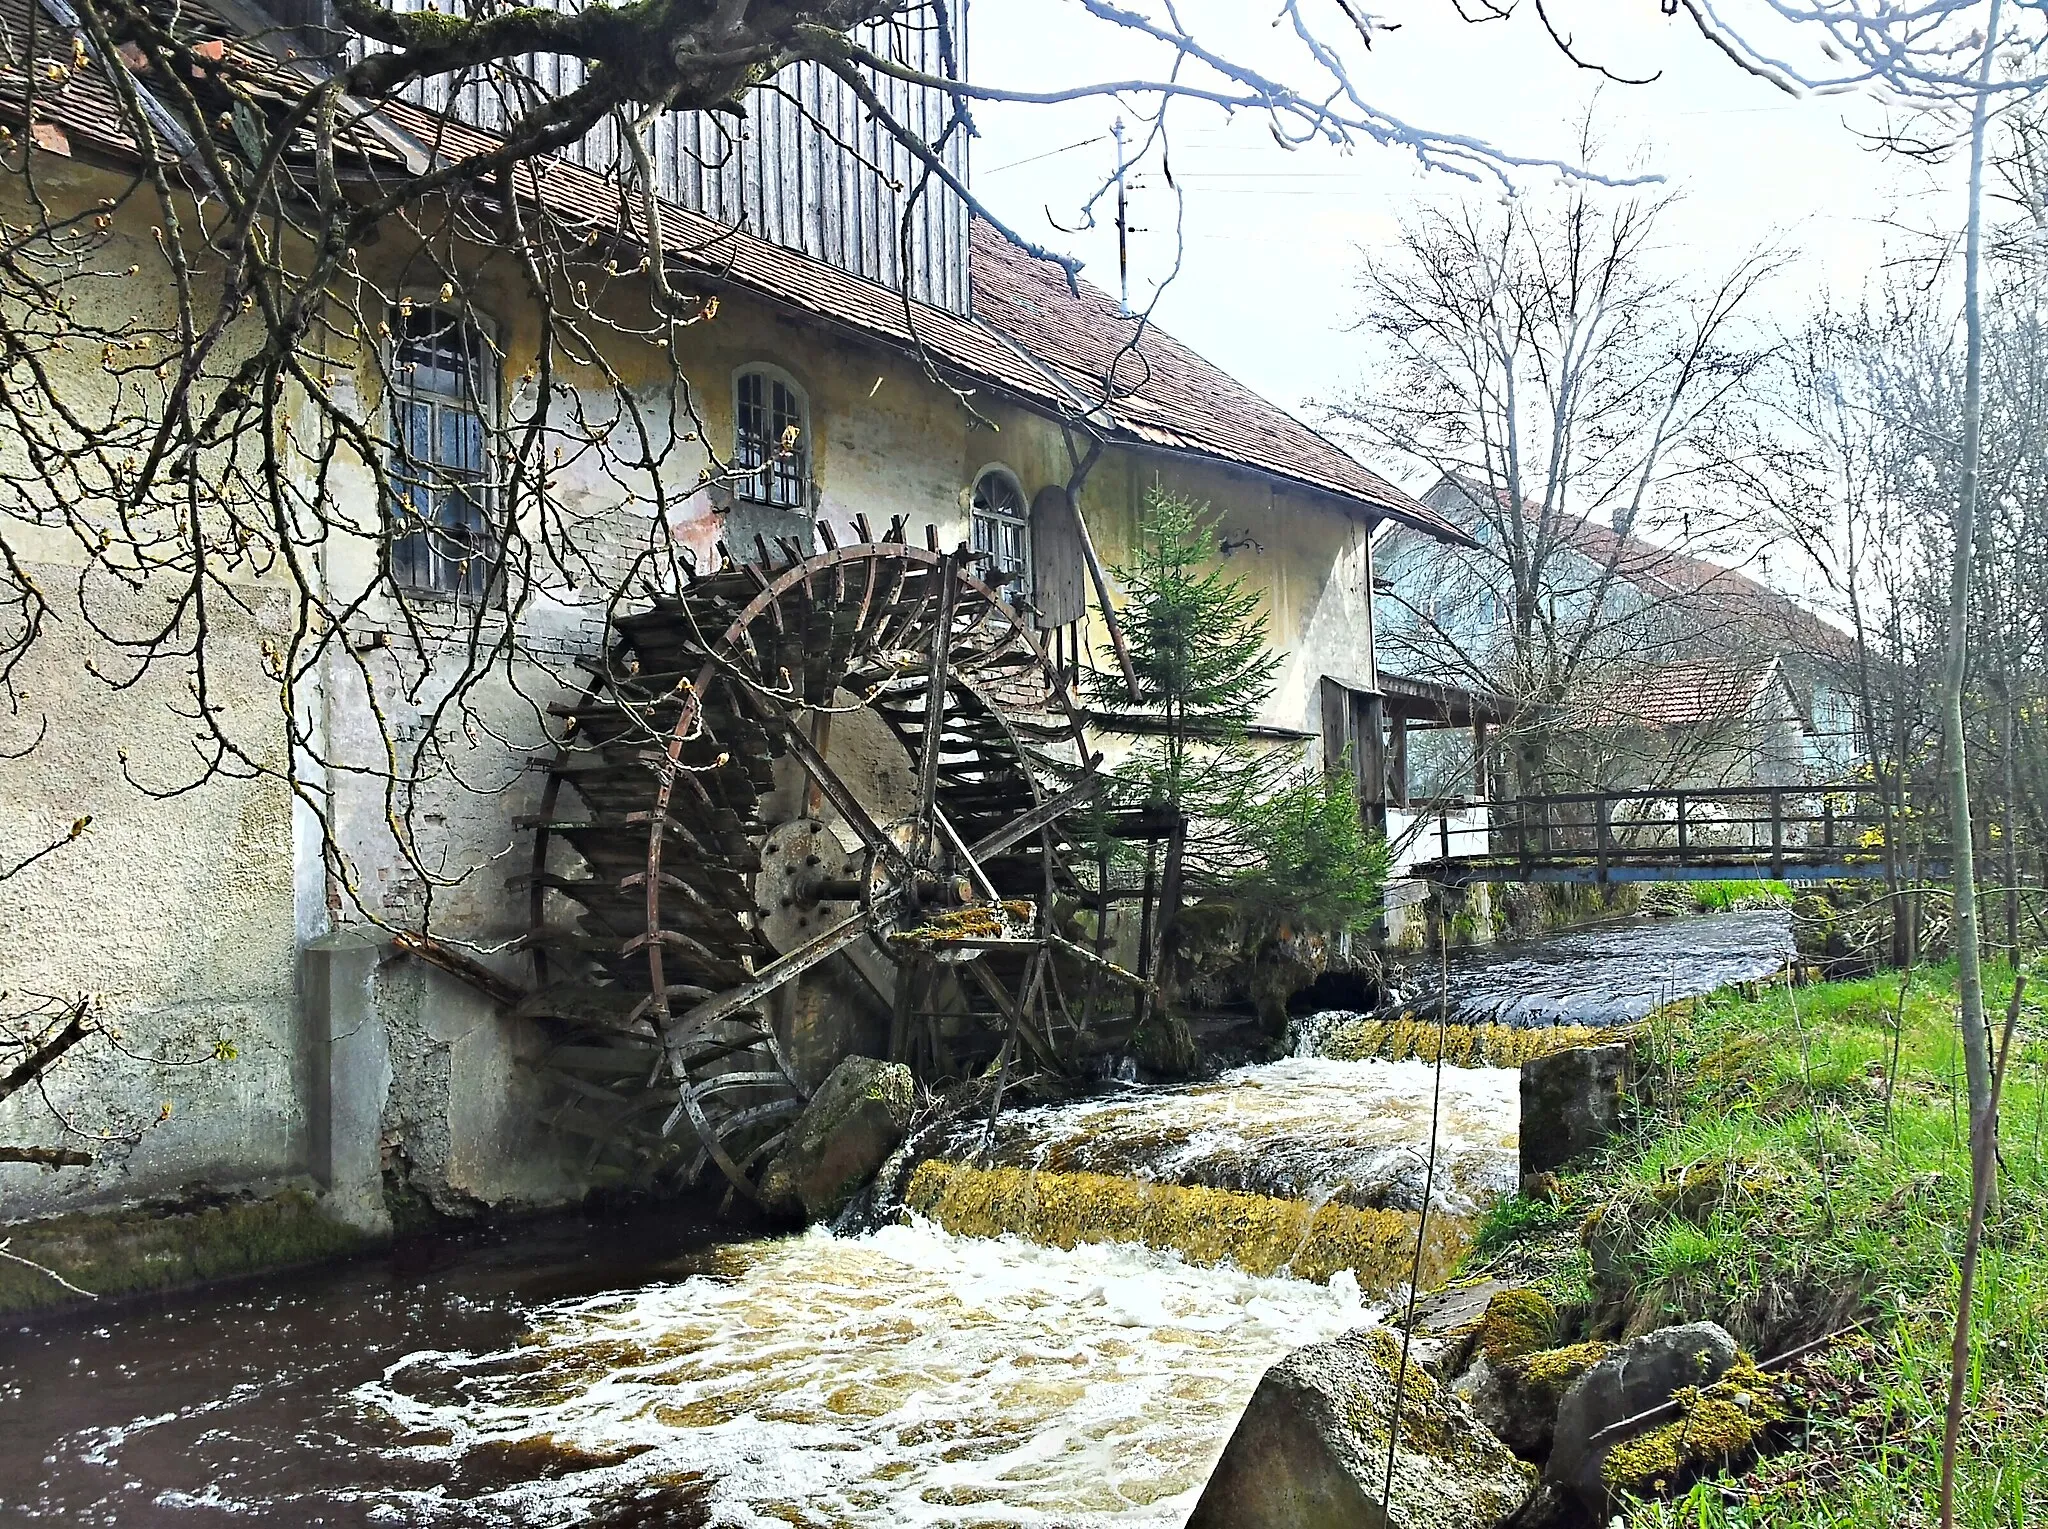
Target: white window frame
{"x":399,"y":394}
{"x":980,"y":516}
{"x":755,"y":484}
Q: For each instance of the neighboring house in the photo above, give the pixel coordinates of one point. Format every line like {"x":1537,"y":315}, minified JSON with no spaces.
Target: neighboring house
{"x":215,"y":913}
{"x":1694,"y":673}
{"x":1705,"y":723}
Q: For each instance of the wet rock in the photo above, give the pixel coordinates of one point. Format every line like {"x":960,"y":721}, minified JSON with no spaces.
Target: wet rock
{"x":1310,"y":1451}
{"x":847,"y":1131}
{"x":1628,"y":1382}
{"x":1283,"y":966}
{"x":1164,"y":1046}
{"x":1572,"y":1101}
{"x":1518,"y":1397}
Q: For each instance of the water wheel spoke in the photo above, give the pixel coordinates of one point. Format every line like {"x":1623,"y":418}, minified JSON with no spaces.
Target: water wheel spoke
{"x":835,"y":790}
{"x":982,"y":885}
{"x":687,"y":1108}
{"x":825,"y":943}
{"x":725,"y":1082}
{"x":742,"y":1121}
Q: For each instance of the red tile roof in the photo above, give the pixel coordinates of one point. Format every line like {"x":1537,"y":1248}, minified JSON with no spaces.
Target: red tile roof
{"x":1690,"y":694}
{"x":1031,"y":338}
{"x":1155,"y":389}
{"x":1741,"y":605}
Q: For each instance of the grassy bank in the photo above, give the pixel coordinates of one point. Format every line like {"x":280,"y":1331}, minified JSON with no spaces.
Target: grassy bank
{"x":1801,"y":1165}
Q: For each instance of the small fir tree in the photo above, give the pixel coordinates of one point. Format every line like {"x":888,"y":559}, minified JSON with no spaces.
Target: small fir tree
{"x":1277,"y":834}
{"x":1198,"y":643}
{"x":1317,"y":861}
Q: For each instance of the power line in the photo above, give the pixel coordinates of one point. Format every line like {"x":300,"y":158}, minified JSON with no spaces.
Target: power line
{"x":1048,"y":154}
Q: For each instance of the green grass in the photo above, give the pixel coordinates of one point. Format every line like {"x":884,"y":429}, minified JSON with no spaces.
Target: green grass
{"x":1770,"y":1187}
{"x":1508,"y":1221}
{"x":1720,"y":896}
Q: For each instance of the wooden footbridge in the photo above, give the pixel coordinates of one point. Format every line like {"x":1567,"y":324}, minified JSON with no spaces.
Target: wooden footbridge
{"x":1739,"y":833}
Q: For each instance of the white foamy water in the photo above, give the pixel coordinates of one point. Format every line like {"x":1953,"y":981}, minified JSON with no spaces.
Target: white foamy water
{"x":905,"y":1377}
{"x":1307,"y":1128}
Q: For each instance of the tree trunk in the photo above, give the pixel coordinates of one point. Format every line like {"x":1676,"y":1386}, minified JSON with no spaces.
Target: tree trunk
{"x":1969,"y":970}
{"x":1976,"y":1047}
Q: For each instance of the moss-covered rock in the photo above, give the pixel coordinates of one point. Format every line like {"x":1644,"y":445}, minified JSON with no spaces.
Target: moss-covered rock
{"x":1518,"y":1397}
{"x":1285,"y":963}
{"x":1517,"y":1321}
{"x":163,"y":1246}
{"x":1619,"y":1388}
{"x":1164,"y":1046}
{"x":1310,"y":1451}
{"x":1718,"y":1426}
{"x":853,"y":1122}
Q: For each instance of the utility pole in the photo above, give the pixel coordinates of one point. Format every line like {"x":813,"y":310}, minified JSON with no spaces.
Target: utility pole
{"x":1123,"y":237}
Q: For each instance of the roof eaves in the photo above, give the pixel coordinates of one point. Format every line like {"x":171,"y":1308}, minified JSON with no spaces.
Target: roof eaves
{"x":162,"y":120}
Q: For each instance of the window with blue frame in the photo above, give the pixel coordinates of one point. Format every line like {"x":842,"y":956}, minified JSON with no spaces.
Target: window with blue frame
{"x":441,"y":539}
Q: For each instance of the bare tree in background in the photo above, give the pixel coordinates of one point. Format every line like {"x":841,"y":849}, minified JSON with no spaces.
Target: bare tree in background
{"x":1956,"y":65}
{"x":1541,"y":359}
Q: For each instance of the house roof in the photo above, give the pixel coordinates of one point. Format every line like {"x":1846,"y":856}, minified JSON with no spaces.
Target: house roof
{"x":1693,"y":694}
{"x":1031,"y":337}
{"x":1156,"y":391}
{"x":1742,"y":605}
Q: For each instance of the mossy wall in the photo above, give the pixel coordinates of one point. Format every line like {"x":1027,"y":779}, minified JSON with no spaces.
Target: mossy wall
{"x":1411,"y":1037}
{"x":153,"y":1247}
{"x":1256,"y":1233}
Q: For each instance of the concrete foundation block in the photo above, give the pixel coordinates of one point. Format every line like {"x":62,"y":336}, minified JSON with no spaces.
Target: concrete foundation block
{"x":348,"y":1074}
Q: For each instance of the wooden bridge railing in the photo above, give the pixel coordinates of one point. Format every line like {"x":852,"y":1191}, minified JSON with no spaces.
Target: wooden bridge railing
{"x":1752,"y":828}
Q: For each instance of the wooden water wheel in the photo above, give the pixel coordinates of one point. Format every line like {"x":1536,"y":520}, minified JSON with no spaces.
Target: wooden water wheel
{"x":826,"y":797}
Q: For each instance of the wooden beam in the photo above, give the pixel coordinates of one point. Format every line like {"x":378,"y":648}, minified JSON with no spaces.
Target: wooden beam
{"x":424,"y":947}
{"x":1397,"y":761}
{"x":1083,"y":465}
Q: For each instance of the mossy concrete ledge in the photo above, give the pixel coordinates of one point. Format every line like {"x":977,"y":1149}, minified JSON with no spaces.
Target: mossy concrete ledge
{"x":163,"y":1247}
{"x":1256,"y":1233}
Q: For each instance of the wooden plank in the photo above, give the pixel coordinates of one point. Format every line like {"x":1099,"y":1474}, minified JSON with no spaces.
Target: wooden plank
{"x":1059,"y":569}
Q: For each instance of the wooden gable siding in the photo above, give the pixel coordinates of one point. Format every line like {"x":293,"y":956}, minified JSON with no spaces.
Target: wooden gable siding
{"x":782,"y":177}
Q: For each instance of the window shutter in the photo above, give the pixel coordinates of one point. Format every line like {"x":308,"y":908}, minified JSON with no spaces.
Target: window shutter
{"x":1059,"y":575}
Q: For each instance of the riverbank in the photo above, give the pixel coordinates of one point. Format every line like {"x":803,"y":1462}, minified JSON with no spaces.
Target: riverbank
{"x":1799,"y":1167}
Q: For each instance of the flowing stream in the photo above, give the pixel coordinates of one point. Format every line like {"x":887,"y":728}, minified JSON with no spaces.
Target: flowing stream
{"x":1060,"y":1330}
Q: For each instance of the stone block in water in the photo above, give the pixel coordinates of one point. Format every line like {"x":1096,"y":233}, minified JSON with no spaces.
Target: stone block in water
{"x":853,"y":1122}
{"x":1310,"y":1451}
{"x":1572,"y":1101}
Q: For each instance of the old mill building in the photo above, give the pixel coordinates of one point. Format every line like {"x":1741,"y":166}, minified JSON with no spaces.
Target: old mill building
{"x":214,"y":922}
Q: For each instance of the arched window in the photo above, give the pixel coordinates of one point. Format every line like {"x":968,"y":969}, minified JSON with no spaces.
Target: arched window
{"x":771,"y":448}
{"x":1002,"y":524}
{"x":441,"y":397}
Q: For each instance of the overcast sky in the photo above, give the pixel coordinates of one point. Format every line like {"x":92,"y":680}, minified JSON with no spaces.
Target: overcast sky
{"x":1267,"y":283}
